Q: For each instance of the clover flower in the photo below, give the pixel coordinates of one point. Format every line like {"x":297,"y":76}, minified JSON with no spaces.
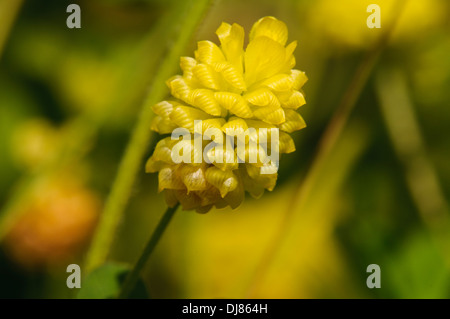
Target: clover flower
{"x":254,"y":91}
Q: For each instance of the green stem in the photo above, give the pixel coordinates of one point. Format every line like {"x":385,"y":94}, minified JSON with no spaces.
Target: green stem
{"x":141,"y":138}
{"x":133,"y":276}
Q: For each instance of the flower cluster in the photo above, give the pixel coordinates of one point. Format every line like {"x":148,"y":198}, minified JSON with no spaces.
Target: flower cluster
{"x":228,"y":88}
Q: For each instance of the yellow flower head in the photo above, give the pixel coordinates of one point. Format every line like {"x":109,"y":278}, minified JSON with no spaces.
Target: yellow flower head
{"x":226,"y":88}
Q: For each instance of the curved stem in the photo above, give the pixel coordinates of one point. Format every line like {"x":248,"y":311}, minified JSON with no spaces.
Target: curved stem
{"x":133,"y":276}
{"x":142,"y":136}
{"x":410,"y":146}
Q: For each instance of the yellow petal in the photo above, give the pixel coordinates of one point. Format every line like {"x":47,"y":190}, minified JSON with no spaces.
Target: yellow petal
{"x":232,"y":43}
{"x":234,"y":103}
{"x":236,"y":127}
{"x":165,"y":142}
{"x":232,"y":75}
{"x":250,"y":185}
{"x":193,"y":177}
{"x":179,"y":88}
{"x":259,"y":124}
{"x":290,"y":58}
{"x":209,"y":53}
{"x":187,"y":64}
{"x":257,"y":134}
{"x":270,"y":27}
{"x":184,"y":116}
{"x":209,"y":196}
{"x":264,"y":58}
{"x":294,"y":121}
{"x":167,"y":178}
{"x":290,"y":49}
{"x":187,"y":201}
{"x":206,"y":76}
{"x":292,"y":99}
{"x":221,"y":157}
{"x":287,"y":144}
{"x":162,"y":108}
{"x":204,"y":100}
{"x":262,"y":97}
{"x":236,"y":124}
{"x":236,"y":196}
{"x":186,"y":146}
{"x":260,"y":135}
{"x":299,"y":79}
{"x":254,"y":154}
{"x":269,"y":169}
{"x":268,"y":181}
{"x":162,"y":123}
{"x":255,"y":190}
{"x":171,"y":199}
{"x":204,"y":209}
{"x":224,"y":181}
{"x":271,"y":115}
{"x":154,"y":125}
{"x":279,"y":82}
{"x":163,"y":150}
{"x":215,"y":123}
{"x":220,"y":203}
{"x":153,"y":166}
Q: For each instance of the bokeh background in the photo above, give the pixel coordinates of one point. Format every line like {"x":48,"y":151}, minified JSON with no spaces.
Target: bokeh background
{"x":69,"y":99}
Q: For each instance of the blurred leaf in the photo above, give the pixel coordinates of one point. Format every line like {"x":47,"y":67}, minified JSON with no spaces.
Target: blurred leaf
{"x":417,"y":270}
{"x":106,"y":281}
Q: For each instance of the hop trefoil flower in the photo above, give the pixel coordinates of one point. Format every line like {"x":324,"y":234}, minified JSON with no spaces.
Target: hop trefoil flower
{"x":228,"y":88}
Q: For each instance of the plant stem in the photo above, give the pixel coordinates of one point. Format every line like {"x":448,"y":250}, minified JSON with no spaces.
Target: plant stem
{"x":410,"y":146}
{"x":141,"y":137}
{"x":133,"y":276}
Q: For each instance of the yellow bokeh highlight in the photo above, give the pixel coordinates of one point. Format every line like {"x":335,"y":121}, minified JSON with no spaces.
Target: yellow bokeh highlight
{"x":344,"y":22}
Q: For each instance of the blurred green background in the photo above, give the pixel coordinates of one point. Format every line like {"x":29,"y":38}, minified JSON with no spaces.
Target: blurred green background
{"x":69,"y":99}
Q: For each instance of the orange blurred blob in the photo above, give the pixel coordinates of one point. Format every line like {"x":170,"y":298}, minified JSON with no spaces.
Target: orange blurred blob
{"x":54,"y":225}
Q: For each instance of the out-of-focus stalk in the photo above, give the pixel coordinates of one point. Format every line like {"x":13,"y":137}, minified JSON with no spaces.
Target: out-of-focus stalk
{"x":192,"y":13}
{"x":327,"y":142}
{"x":133,"y":276}
{"x":422,"y":180}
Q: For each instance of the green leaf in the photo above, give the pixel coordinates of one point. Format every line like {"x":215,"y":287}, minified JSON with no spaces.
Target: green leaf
{"x":105,"y":283}
{"x":417,"y":270}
